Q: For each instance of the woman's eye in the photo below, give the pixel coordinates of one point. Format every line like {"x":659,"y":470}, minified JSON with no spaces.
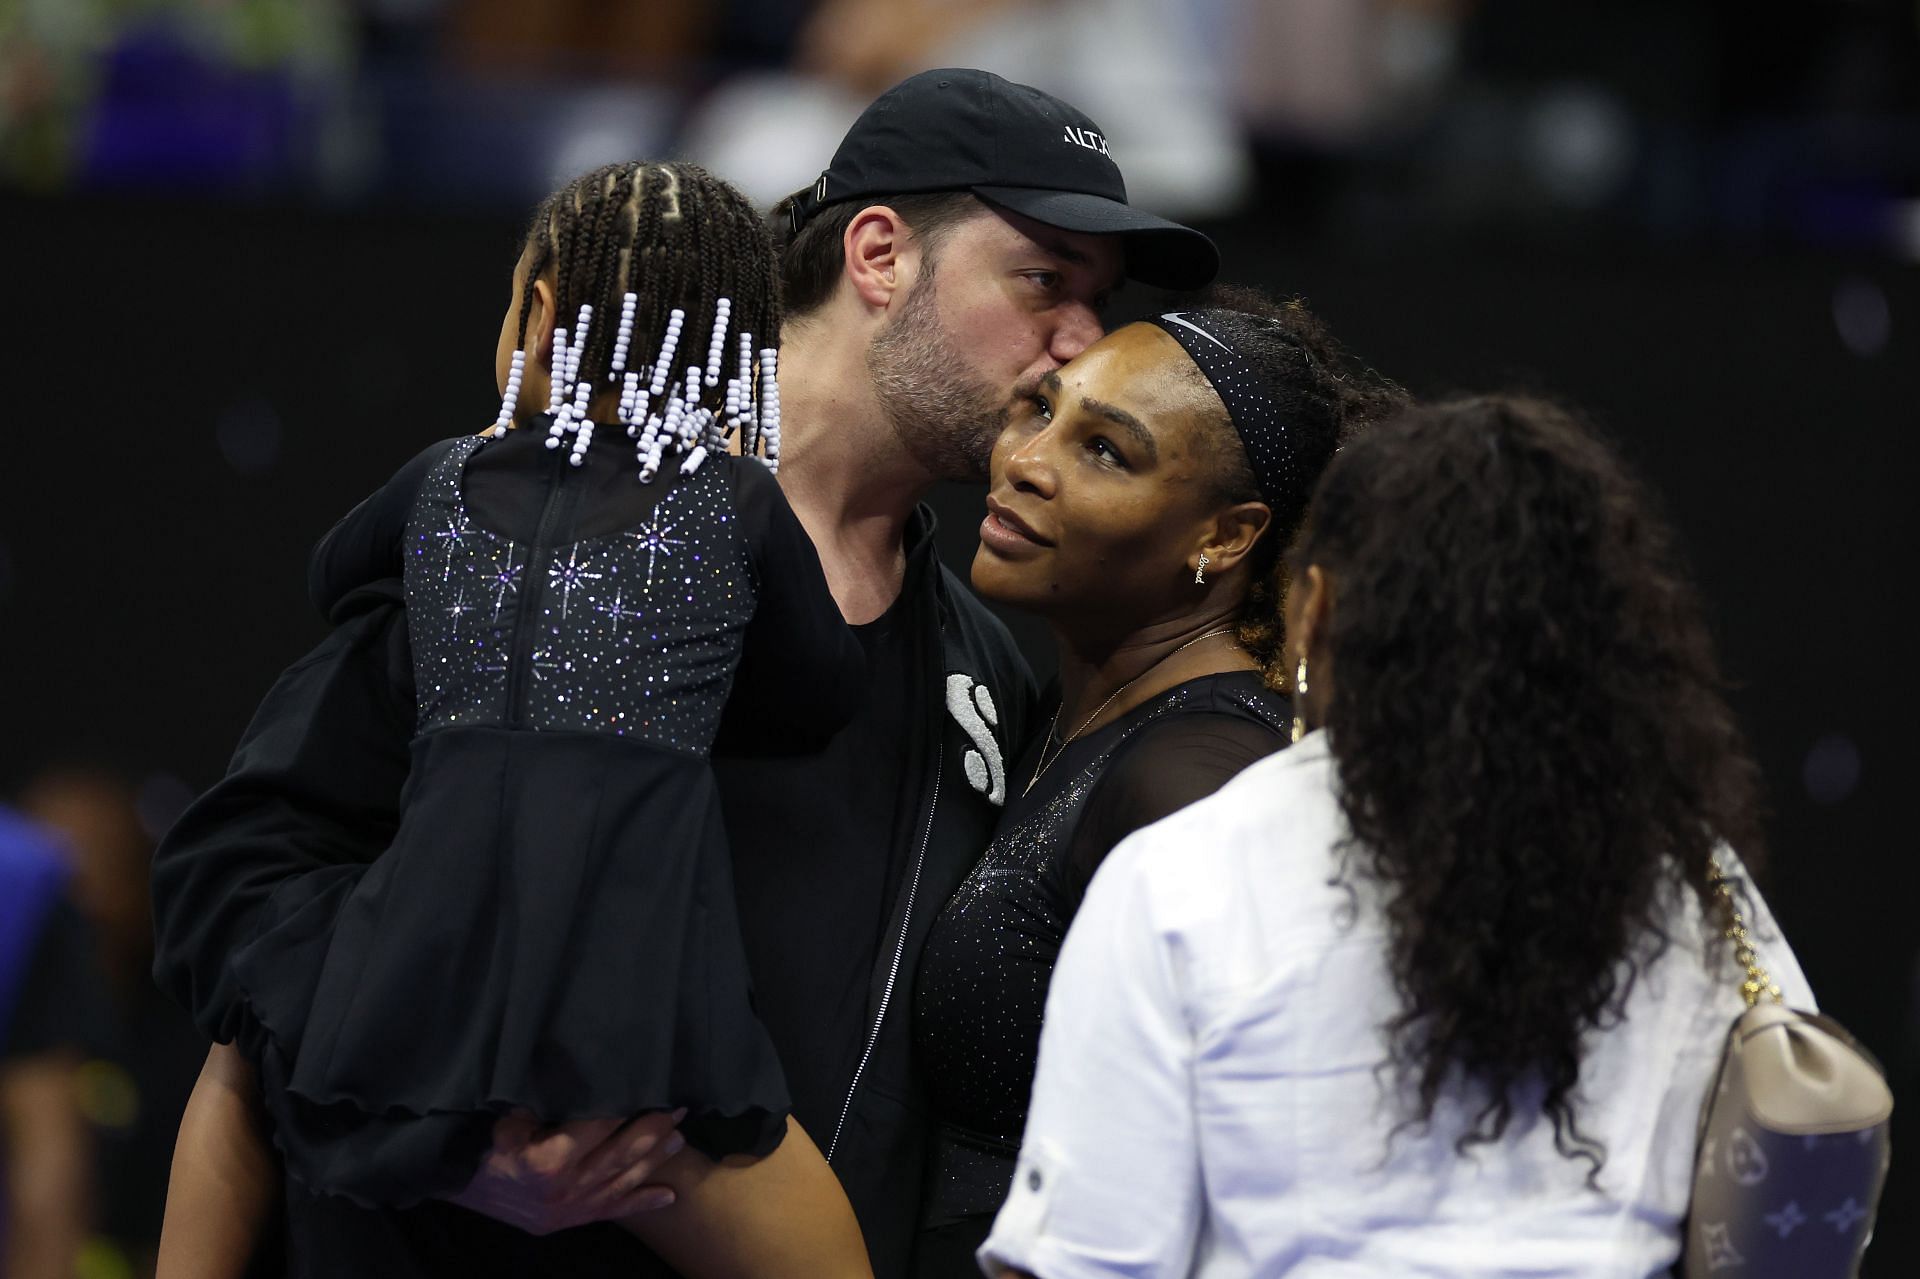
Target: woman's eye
{"x":1047,"y":281}
{"x":1103,"y":447}
{"x":1042,"y":409}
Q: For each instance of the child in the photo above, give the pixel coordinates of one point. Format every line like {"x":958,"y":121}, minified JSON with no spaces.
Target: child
{"x":552,"y":929}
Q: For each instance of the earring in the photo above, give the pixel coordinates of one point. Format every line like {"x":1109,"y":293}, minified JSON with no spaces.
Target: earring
{"x":1300,"y":699}
{"x":1200,"y":571}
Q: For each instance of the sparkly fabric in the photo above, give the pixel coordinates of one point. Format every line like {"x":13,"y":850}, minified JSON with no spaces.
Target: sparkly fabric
{"x":989,"y":959}
{"x":552,"y":927}
{"x":636,"y":633}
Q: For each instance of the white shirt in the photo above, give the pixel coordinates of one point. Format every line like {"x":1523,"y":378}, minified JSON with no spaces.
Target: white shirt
{"x":1207,"y":1102}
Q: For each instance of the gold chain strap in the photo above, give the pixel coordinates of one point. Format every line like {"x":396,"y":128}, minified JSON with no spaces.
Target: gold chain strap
{"x":1758,"y":981}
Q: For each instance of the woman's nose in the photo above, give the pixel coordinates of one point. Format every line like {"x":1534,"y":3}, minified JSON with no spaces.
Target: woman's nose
{"x":1024,"y":461}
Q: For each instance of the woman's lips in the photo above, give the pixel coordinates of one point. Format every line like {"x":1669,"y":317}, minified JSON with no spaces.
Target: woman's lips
{"x":1002,"y":530}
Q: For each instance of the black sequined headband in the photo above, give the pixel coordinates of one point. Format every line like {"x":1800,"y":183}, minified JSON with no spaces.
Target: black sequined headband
{"x":1261,"y":406}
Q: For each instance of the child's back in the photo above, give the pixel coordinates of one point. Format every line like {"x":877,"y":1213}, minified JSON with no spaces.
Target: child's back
{"x":552,"y":928}
{"x":551,"y":932}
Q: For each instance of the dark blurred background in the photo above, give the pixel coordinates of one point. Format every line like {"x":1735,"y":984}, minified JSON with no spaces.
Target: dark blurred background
{"x":257,"y":252}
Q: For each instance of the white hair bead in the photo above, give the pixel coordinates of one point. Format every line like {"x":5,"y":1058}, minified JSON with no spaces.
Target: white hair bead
{"x":510,"y":398}
{"x":625,"y":335}
{"x":629,"y":388}
{"x":557,"y":390}
{"x":721,"y":311}
{"x":770,"y":404}
{"x":668,"y":345}
{"x":579,"y":343}
{"x":770,"y":386}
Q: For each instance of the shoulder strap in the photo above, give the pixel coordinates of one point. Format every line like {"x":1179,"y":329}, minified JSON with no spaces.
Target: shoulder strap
{"x":1758,"y":981}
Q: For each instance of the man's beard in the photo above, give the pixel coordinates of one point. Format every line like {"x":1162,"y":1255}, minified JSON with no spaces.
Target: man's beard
{"x":945,"y":416}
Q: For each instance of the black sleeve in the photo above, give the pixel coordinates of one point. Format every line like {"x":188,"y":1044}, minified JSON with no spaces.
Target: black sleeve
{"x":1162,"y":769}
{"x":802,"y":671}
{"x":368,"y":544}
{"x":62,"y":1002}
{"x":315,"y":782}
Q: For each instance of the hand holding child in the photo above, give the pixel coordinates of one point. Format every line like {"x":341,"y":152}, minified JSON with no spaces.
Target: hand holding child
{"x":541,"y":1178}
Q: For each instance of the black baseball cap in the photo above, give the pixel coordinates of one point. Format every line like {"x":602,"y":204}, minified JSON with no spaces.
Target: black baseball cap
{"x":958,"y":129}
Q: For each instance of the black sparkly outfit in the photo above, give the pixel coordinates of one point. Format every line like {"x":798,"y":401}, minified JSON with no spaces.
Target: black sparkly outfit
{"x":552,"y":926}
{"x":989,"y":959}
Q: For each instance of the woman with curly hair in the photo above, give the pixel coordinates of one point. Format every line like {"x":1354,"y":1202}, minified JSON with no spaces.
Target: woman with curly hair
{"x":1140,"y":503}
{"x":1440,"y":990}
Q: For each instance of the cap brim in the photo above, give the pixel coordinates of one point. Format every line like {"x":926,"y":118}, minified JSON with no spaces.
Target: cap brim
{"x":1159,"y":252}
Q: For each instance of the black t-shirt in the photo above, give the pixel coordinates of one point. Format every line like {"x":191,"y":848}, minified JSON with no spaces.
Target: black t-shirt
{"x":811,"y":972}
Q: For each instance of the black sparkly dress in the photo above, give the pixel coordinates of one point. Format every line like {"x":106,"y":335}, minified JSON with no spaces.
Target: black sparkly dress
{"x":989,"y":959}
{"x":553,"y":926}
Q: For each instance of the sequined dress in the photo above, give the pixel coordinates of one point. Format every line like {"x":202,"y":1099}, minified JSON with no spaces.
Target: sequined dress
{"x":552,"y":927}
{"x":988,"y":961}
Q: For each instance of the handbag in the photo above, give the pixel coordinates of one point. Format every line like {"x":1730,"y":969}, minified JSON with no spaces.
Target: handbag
{"x":1793,"y":1139}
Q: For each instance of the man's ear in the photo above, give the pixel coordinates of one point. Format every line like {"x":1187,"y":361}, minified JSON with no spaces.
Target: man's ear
{"x":872,"y":247}
{"x":540,"y":323}
{"x":1234,"y":532}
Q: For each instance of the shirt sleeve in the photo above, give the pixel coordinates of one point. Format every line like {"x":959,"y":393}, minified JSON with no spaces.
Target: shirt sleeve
{"x":1164,"y":768}
{"x":1108,"y":1181}
{"x":314,"y":783}
{"x":368,"y":544}
{"x":802,"y":671}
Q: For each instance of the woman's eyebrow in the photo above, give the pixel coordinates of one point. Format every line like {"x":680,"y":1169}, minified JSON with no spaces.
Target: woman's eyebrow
{"x":1133,"y":426}
{"x":1126,"y":421}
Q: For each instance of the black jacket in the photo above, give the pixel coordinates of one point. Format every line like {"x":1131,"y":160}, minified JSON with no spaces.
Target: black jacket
{"x":879,"y":1144}
{"x":318,"y":778}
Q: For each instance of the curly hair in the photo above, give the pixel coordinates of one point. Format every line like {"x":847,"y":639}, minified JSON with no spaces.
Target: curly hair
{"x":1329,"y":398}
{"x":1531,"y":734}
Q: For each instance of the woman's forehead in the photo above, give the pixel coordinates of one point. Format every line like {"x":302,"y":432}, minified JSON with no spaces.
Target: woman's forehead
{"x":1138,"y":368}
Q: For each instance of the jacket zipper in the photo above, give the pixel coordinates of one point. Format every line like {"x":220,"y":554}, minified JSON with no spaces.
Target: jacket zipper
{"x":899,"y":950}
{"x":519,"y":656}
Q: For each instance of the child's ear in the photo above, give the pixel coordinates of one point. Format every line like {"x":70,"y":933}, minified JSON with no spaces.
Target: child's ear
{"x":540,"y":323}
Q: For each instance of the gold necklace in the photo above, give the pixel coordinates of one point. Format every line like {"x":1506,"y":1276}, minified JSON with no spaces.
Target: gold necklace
{"x":1046,"y":762}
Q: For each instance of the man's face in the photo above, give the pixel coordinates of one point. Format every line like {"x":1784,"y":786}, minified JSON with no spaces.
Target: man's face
{"x":1002,"y":302}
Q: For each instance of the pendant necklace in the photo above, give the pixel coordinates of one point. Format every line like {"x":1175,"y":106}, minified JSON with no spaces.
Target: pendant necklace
{"x":1046,"y":761}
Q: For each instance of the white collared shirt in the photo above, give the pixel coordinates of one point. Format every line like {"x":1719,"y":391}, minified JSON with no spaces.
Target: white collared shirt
{"x":1207,"y":1101}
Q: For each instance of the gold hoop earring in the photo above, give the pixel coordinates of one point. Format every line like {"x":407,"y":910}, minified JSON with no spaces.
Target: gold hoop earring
{"x":1300,"y":699}
{"x":1200,"y":572}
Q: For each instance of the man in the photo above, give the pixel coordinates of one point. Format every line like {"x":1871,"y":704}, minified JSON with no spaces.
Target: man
{"x":956,"y":250}
{"x":913,"y":321}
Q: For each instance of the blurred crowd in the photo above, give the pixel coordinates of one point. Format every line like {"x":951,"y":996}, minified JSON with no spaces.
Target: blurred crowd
{"x":1680,"y":121}
{"x":95,"y":1064}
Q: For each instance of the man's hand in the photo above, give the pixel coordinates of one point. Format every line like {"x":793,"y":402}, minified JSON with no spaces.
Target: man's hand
{"x":542,"y":1179}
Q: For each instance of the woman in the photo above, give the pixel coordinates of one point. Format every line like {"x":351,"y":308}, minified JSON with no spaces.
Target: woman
{"x":1440,"y":990}
{"x":1138,"y":504}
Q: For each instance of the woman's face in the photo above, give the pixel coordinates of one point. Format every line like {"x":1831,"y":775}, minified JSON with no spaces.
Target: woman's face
{"x":1102,"y":492}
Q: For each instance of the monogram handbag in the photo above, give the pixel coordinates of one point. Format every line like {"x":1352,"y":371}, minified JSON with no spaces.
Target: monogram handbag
{"x":1794,"y":1140}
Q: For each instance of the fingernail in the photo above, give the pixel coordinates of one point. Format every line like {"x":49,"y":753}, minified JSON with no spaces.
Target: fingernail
{"x":652,"y":1198}
{"x":673,"y":1145}
{"x":679,"y":1115}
